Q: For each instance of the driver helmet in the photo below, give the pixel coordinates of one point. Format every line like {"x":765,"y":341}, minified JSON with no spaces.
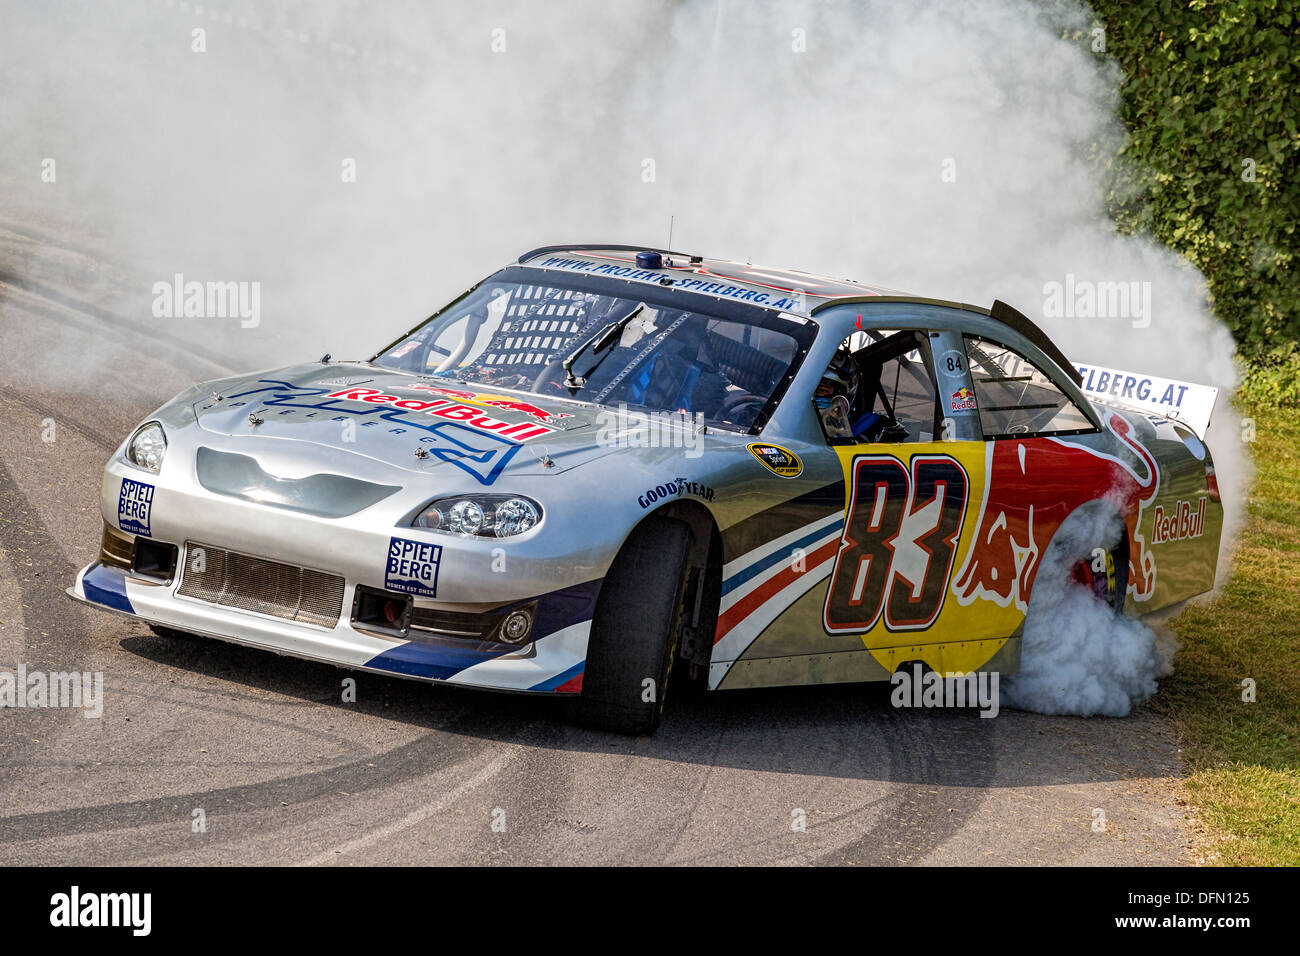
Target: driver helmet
{"x":841,"y":378}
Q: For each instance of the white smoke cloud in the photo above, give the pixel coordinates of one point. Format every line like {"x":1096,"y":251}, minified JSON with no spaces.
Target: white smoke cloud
{"x":946,"y":149}
{"x":1077,"y":655}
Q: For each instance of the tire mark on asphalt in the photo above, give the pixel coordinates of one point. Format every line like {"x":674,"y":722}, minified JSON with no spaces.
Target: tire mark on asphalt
{"x":482,"y":776}
{"x":921,"y":818}
{"x":88,"y":432}
{"x":710,"y":764}
{"x":532,"y":796}
{"x":259,"y":722}
{"x":429,"y":753}
{"x":42,"y":237}
{"x":50,"y":303}
{"x":40,"y":569}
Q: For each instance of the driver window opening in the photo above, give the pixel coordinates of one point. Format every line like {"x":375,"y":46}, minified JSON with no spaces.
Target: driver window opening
{"x":878,"y":388}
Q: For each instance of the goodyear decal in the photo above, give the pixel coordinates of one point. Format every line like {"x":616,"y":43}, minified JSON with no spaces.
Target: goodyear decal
{"x":675,"y":488}
{"x":134,"y":506}
{"x":779,"y":461}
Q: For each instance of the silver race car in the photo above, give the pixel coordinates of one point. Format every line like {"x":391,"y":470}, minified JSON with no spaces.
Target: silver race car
{"x":603,"y":464}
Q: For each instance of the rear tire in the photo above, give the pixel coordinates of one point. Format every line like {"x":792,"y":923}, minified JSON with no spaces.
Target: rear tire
{"x":1105,"y":583}
{"x":634,"y":631}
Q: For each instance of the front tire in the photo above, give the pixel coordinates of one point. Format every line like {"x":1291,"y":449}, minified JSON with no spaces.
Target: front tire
{"x":635,"y":630}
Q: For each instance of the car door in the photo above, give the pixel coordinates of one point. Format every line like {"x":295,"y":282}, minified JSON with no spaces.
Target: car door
{"x":944,"y":521}
{"x":839,"y":600}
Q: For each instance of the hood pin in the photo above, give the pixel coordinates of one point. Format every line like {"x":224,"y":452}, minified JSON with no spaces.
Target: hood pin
{"x":544,"y":457}
{"x":254,"y":419}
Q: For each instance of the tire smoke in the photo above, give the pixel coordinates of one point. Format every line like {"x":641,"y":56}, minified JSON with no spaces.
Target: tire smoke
{"x":1078,"y":656}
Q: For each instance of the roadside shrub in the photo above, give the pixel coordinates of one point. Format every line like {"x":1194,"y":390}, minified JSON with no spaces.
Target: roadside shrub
{"x":1212,"y":105}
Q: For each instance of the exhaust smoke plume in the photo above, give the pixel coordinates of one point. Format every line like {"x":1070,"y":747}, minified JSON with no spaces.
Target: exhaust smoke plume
{"x":364,"y":162}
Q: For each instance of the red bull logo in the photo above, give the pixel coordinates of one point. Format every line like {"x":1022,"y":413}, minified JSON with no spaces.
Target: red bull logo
{"x":497,"y":401}
{"x":1032,"y":487}
{"x":461,"y":412}
{"x":962,"y":400}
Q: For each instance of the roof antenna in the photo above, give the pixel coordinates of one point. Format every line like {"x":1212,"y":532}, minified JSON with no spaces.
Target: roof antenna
{"x":670,"y":232}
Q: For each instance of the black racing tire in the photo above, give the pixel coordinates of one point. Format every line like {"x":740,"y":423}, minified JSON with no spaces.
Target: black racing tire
{"x":635,"y":630}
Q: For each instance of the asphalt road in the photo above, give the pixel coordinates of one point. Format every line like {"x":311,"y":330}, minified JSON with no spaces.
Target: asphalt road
{"x":285,"y":772}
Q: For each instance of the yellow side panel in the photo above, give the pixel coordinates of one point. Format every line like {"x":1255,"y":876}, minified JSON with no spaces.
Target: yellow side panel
{"x":947,"y":633}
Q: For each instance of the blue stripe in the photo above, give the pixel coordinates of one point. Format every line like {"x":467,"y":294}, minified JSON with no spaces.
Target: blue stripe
{"x":555,"y":611}
{"x":553,"y":682}
{"x":778,"y":556}
{"x":106,"y":587}
{"x":435,"y":661}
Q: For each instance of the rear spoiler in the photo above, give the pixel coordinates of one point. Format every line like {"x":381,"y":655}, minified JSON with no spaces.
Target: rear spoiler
{"x":1184,"y":402}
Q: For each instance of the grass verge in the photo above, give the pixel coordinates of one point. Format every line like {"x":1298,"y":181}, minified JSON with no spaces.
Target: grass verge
{"x":1244,"y":758}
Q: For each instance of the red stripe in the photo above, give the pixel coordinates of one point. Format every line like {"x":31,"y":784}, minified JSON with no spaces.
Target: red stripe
{"x":757,"y":597}
{"x":571,"y":686}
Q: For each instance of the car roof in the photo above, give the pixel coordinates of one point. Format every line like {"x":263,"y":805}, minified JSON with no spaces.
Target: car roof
{"x":619,"y":261}
{"x":761,"y":286}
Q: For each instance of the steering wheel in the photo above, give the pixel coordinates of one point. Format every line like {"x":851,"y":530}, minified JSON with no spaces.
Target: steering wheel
{"x":735,"y":401}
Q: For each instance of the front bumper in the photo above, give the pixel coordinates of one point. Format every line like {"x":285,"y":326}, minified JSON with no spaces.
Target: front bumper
{"x":552,"y":663}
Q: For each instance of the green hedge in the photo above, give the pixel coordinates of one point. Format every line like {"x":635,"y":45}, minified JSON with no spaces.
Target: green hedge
{"x":1212,"y":101}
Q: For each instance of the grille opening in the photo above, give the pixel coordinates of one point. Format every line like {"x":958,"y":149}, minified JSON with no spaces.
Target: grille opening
{"x":249,"y":583}
{"x":154,"y":559}
{"x":382,"y":611}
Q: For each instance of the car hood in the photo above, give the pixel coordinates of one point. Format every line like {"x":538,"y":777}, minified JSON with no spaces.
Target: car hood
{"x":413,"y":423}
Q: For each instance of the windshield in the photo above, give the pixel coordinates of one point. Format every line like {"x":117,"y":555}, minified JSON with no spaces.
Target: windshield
{"x":652,"y":356}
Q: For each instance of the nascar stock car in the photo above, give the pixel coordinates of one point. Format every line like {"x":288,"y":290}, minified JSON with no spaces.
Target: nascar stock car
{"x":604,"y":461}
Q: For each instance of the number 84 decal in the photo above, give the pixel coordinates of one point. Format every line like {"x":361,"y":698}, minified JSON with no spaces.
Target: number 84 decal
{"x":899,"y":543}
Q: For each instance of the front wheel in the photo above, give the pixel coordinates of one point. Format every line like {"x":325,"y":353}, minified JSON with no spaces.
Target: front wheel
{"x":634,"y":631}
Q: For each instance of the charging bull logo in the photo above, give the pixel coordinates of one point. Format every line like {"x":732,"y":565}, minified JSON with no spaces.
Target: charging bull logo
{"x":497,"y":401}
{"x":963,"y":400}
{"x":1033,"y":485}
